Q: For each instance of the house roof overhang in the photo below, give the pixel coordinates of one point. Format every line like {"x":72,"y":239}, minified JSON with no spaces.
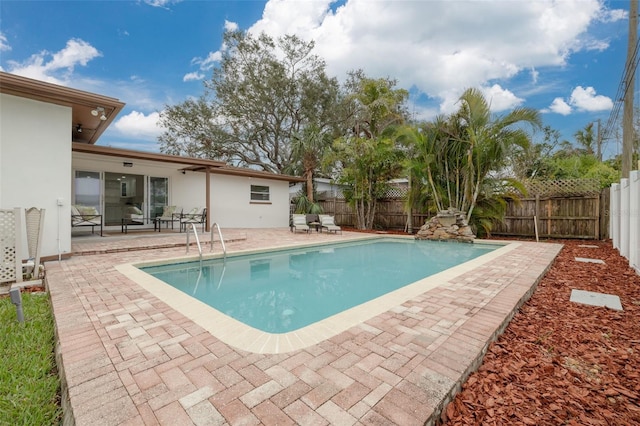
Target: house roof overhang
{"x":185,"y":163}
{"x":81,"y":103}
{"x":239,"y":171}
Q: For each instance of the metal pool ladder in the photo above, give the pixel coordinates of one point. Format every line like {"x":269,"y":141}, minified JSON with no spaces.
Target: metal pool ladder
{"x":224,"y":249}
{"x":195,"y":234}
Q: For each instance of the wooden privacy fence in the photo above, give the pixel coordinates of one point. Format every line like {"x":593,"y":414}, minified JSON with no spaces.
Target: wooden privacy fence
{"x":390,"y":214}
{"x":573,"y":208}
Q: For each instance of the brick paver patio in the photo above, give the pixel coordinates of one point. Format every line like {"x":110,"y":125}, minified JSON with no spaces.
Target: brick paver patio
{"x":128,"y":358}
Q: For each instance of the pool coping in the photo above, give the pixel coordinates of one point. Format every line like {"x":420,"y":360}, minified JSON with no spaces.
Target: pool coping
{"x":250,"y":339}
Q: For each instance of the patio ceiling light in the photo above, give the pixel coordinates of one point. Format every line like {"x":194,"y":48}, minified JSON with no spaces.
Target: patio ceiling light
{"x":99,"y":111}
{"x":79,"y":128}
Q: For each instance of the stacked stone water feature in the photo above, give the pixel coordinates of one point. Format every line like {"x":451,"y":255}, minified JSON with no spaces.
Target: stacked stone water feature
{"x":448,"y":224}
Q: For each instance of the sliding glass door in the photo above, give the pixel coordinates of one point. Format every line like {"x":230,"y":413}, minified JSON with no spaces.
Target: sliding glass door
{"x":123,"y":196}
{"x":117,"y":195}
{"x":158,"y":195}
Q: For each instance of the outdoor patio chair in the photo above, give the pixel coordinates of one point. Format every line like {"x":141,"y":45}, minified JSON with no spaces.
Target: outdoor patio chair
{"x":299,"y":223}
{"x":196,"y":215}
{"x":327,"y":222}
{"x":86,"y":216}
{"x":170,"y":214}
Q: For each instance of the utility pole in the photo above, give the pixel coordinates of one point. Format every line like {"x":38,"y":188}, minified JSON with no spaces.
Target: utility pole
{"x":599,"y":142}
{"x":627,"y":118}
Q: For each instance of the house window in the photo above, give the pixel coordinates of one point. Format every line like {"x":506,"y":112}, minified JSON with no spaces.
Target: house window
{"x":259,"y":193}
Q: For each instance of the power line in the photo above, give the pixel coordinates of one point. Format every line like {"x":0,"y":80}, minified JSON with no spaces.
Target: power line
{"x":630,"y":68}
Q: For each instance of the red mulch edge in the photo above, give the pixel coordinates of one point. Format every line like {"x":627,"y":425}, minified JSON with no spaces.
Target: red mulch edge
{"x":560,"y":362}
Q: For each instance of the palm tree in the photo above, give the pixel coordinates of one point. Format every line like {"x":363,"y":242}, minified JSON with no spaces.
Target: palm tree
{"x":586,"y":138}
{"x":487,"y":141}
{"x":308,"y":150}
{"x":456,"y":156}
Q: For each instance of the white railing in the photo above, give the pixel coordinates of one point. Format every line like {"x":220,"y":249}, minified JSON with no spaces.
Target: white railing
{"x":624,"y":218}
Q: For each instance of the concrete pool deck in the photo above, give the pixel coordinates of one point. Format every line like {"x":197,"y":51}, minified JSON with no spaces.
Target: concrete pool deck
{"x":128,"y":357}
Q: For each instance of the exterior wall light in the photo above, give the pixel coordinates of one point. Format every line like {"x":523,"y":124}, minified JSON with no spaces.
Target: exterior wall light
{"x":99,"y":111}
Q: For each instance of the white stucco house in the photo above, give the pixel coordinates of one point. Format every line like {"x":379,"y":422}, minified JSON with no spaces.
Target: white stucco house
{"x":48,"y":159}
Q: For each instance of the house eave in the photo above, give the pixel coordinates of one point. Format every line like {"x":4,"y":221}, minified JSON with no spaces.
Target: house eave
{"x":80,"y":102}
{"x":128,"y":154}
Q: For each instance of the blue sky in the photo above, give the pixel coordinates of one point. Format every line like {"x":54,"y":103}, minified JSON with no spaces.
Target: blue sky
{"x":564,"y":58}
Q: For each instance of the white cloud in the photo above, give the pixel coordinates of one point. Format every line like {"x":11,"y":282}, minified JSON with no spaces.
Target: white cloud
{"x":137,"y":125}
{"x":585,"y":99}
{"x":210,"y":61}
{"x":4,"y":43}
{"x":534,"y":75}
{"x":161,"y":3}
{"x":581,"y":99}
{"x":501,"y":99}
{"x":559,"y":106}
{"x":614,"y":15}
{"x":193,"y":76}
{"x":230,"y":26}
{"x":58,"y":66}
{"x":451,"y":48}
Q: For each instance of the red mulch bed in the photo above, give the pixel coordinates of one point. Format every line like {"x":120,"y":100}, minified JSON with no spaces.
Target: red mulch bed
{"x":559,"y":362}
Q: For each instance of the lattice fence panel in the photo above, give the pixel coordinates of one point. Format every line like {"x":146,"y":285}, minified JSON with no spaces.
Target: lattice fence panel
{"x":8,"y":221}
{"x":395,"y":192}
{"x":564,"y":187}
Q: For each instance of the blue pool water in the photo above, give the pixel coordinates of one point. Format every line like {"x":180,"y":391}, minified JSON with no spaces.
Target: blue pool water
{"x":282,"y":291}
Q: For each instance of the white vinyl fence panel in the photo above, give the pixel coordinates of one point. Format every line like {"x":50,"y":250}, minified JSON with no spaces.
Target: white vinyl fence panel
{"x":625,"y":218}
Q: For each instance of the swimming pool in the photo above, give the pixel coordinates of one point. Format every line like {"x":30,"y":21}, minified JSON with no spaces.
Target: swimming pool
{"x":283,"y":291}
{"x":243,"y":279}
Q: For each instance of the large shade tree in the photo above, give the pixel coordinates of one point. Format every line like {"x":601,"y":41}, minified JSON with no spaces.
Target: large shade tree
{"x":264,"y":93}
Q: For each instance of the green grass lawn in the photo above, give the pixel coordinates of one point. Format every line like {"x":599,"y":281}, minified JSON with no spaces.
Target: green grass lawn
{"x":29,"y":385}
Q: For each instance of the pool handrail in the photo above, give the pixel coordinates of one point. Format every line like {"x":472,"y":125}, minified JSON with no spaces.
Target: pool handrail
{"x":216,"y":226}
{"x":195,"y":234}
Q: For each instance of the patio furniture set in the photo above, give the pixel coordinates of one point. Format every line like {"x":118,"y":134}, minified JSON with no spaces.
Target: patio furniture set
{"x":89,"y":216}
{"x":307,"y":222}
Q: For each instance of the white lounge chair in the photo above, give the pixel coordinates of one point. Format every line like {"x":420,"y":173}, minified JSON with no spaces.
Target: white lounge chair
{"x":327,"y":222}
{"x":299,"y":223}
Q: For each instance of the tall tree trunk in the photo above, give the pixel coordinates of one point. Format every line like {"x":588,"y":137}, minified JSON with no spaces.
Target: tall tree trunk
{"x":409,"y":207}
{"x":309,"y":176}
{"x":446,"y":173}
{"x":434,"y":191}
